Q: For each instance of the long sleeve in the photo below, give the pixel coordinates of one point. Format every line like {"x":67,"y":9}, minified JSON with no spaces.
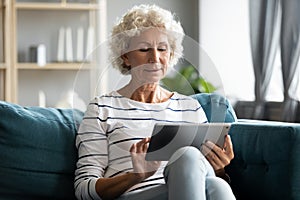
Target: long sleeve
{"x":91,"y":143}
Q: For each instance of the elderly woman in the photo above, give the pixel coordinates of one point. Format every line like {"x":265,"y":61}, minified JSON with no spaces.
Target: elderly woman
{"x":113,"y":137}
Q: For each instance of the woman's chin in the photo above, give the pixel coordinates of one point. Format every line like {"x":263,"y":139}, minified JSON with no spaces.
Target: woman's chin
{"x":149,"y":78}
{"x":153,"y":80}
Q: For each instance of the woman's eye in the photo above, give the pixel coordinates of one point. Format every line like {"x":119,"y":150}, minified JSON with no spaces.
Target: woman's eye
{"x":148,"y":49}
{"x":162,"y":49}
{"x":144,"y":49}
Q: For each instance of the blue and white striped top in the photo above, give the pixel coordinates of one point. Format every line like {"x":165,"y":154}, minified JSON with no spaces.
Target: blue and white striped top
{"x":111,"y":124}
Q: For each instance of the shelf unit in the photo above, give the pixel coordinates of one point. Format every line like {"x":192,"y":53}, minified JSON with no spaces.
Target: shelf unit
{"x":5,"y":45}
{"x":54,"y":66}
{"x":2,"y":60}
{"x":57,"y":6}
{"x":30,"y":23}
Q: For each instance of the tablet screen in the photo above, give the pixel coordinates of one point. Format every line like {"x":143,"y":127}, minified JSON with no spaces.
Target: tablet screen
{"x":167,"y":138}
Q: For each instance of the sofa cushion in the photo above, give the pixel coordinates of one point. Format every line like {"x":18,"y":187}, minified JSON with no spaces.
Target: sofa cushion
{"x":37,"y":152}
{"x":267,"y":160}
{"x":216,"y":107}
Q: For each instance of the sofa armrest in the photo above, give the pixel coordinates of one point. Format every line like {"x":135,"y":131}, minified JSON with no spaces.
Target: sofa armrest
{"x":267,"y":160}
{"x":37,"y":151}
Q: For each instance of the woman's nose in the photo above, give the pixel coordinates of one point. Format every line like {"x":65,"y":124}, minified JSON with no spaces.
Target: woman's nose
{"x":154,"y":56}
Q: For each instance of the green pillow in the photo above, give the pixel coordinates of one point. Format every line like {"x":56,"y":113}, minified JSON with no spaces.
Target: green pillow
{"x":37,"y":152}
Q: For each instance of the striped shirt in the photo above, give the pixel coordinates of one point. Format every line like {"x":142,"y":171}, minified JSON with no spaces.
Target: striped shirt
{"x":111,"y":124}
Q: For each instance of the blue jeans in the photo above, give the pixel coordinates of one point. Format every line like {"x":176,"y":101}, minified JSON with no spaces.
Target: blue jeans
{"x":189,"y":176}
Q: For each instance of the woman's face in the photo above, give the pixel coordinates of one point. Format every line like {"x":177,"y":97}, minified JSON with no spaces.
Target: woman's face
{"x":148,"y":56}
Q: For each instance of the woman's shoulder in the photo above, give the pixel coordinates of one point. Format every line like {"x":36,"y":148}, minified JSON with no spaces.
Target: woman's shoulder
{"x":181,"y":97}
{"x":104,"y":102}
{"x":107,"y":100}
{"x":108,"y":97}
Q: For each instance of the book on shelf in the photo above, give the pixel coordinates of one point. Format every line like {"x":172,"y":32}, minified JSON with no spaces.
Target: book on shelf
{"x":69,"y":45}
{"x":60,"y":45}
{"x":67,"y":51}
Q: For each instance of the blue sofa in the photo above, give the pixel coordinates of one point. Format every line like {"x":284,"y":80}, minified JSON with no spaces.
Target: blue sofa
{"x":38,"y":155}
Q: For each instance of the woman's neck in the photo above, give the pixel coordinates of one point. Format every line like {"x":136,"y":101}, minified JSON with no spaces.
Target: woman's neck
{"x":147,"y":93}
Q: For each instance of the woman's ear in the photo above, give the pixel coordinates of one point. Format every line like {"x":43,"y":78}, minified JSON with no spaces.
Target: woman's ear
{"x":125,"y":59}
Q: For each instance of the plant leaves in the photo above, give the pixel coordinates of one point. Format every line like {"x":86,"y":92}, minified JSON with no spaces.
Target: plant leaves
{"x":188,"y":82}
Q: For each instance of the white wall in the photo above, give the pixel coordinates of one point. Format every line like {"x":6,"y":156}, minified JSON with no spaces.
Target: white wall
{"x":224,"y":35}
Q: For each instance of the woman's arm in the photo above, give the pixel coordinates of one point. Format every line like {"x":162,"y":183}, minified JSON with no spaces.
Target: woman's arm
{"x":110,"y":188}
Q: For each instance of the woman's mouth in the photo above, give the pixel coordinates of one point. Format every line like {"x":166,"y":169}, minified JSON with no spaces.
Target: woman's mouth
{"x":152,"y":70}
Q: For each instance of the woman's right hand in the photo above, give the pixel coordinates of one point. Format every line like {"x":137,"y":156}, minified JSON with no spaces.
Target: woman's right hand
{"x":142,"y":168}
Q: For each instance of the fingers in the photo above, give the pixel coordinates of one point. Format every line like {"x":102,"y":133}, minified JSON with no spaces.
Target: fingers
{"x":133,"y":148}
{"x":212,"y":157}
{"x":228,"y":147}
{"x":218,"y":157}
{"x":141,"y":146}
{"x":140,"y":165}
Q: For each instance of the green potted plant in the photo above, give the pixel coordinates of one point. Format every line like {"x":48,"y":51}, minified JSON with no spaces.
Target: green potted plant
{"x":187,"y":81}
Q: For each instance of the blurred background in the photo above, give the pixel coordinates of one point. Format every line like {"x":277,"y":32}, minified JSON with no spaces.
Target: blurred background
{"x":54,"y":52}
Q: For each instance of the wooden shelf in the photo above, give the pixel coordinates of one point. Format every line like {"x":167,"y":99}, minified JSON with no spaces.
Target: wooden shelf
{"x":56,"y":6}
{"x":54,"y":66}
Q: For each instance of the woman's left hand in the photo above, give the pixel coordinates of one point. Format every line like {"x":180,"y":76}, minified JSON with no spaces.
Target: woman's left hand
{"x":218,"y":157}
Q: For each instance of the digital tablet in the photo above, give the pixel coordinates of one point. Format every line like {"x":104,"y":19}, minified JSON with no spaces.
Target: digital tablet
{"x":167,"y":138}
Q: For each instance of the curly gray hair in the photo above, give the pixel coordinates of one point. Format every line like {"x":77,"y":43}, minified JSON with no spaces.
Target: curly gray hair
{"x":133,"y":22}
